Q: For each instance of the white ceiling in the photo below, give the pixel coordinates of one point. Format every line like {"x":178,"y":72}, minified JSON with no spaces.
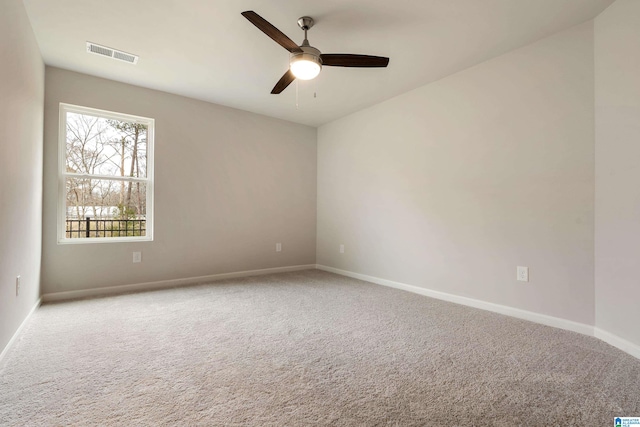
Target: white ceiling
{"x":205,"y":49}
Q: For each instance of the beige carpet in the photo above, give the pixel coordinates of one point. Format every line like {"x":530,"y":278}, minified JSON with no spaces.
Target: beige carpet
{"x":305,"y":348}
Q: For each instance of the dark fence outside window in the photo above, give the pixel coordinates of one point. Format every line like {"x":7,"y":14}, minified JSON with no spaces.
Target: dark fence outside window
{"x":84,"y":228}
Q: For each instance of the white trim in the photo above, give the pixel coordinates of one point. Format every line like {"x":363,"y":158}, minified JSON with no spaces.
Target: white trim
{"x":96,"y":112}
{"x":616,"y":341}
{"x":609,"y":338}
{"x":14,"y":338}
{"x":162,"y":284}
{"x":544,"y":319}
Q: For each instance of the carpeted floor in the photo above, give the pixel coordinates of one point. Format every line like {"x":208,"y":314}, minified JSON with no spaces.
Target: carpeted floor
{"x":305,"y":348}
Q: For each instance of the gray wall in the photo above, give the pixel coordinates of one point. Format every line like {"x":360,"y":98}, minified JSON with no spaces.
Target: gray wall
{"x":617,"y":98}
{"x":229,"y":185}
{"x":452,"y":185}
{"x":21,"y":104}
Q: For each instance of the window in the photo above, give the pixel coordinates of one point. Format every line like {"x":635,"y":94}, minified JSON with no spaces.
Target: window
{"x":105,"y":180}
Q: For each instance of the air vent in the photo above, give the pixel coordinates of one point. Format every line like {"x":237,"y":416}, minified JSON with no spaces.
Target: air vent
{"x":96,"y":49}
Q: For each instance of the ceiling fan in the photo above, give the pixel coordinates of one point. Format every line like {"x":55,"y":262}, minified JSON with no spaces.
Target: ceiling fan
{"x":306,"y":61}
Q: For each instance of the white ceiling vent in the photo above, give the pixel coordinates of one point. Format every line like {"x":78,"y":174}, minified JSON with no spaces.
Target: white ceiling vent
{"x":96,"y":49}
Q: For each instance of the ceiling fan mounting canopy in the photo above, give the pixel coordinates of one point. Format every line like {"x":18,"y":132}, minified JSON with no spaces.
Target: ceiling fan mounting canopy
{"x":306,"y":22}
{"x":306,"y":61}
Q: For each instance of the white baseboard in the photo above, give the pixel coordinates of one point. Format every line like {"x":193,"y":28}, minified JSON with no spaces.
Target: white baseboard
{"x":616,"y":341}
{"x":544,"y":319}
{"x":18,"y":331}
{"x":162,"y":284}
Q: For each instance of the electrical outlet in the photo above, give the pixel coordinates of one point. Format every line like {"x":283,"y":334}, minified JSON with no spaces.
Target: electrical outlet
{"x":17,"y":285}
{"x":137,"y":257}
{"x":522,"y":274}
{"x":278,"y":247}
{"x":341,"y":249}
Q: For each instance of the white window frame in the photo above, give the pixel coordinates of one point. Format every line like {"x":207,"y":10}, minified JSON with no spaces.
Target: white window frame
{"x":63,"y":174}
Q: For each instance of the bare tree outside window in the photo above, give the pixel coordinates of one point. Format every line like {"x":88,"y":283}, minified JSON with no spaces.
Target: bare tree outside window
{"x":105,"y":174}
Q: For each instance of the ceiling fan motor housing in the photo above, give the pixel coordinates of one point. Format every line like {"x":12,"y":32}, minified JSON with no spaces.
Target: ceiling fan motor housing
{"x":308,"y":54}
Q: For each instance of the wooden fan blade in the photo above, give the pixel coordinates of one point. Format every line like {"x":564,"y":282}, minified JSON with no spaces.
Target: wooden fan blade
{"x":349,"y":60}
{"x":266,"y":27}
{"x":283,"y":82}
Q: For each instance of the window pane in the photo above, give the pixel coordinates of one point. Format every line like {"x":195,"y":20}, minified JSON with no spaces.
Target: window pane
{"x":105,"y":208}
{"x":101,"y":146}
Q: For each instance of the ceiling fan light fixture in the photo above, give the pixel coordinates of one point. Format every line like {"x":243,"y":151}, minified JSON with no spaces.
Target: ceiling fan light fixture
{"x":305,"y":65}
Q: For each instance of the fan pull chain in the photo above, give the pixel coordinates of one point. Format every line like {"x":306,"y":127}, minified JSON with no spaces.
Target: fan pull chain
{"x":297,"y":104}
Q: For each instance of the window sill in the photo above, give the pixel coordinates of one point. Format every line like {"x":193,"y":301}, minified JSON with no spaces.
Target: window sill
{"x":86,"y":240}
